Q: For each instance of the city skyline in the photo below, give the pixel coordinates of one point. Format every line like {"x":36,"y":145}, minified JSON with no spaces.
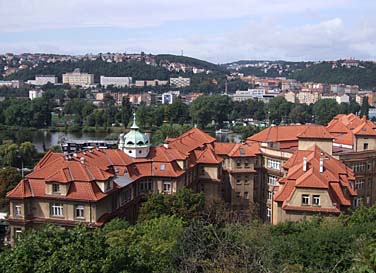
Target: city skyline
{"x":220,"y":32}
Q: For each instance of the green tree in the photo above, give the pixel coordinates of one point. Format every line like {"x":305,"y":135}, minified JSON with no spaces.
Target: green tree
{"x":364,"y":109}
{"x":9,"y":178}
{"x":324,"y":110}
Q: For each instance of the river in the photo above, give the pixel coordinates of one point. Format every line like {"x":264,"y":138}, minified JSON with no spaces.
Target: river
{"x":47,"y":139}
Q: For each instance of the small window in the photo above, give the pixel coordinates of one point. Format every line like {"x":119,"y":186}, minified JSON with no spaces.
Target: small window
{"x":17,"y":210}
{"x":242,"y":152}
{"x":238,"y":180}
{"x":316,"y":200}
{"x":246,"y":195}
{"x":163,"y":167}
{"x":55,"y":188}
{"x":270,"y":195}
{"x":237,"y":194}
{"x":80,"y":211}
{"x":167,"y":186}
{"x":238,"y":163}
{"x":17,"y":233}
{"x":246,"y":179}
{"x":246,"y":163}
{"x":108,"y":185}
{"x":365,"y":146}
{"x":305,"y":199}
{"x":268,"y":214}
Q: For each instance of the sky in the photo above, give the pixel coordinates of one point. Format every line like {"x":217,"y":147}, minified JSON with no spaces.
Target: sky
{"x":218,"y":31}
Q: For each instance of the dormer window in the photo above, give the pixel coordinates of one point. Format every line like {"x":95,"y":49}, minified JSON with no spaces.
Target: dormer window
{"x":108,"y":185}
{"x":56,"y":188}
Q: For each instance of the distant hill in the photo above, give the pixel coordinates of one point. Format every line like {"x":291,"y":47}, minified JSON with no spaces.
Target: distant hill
{"x":364,"y":75}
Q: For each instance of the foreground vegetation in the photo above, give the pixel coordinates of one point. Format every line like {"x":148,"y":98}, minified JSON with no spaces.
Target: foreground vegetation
{"x":178,"y":234}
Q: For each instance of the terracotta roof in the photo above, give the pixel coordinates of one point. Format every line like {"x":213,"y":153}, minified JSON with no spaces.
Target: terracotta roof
{"x":278,"y":133}
{"x":334,"y":177}
{"x":315,"y":131}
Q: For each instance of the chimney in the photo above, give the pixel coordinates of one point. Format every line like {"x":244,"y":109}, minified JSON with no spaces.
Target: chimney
{"x":165,"y":145}
{"x":321,"y":165}
{"x":82,"y":159}
{"x":304,"y":164}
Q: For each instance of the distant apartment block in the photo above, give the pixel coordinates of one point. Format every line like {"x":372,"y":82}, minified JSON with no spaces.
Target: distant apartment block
{"x":143,"y":83}
{"x":180,"y":82}
{"x":33,"y":94}
{"x":115,"y":81}
{"x":78,"y":78}
{"x":44,"y":79}
{"x":12,"y":84}
{"x":255,"y":94}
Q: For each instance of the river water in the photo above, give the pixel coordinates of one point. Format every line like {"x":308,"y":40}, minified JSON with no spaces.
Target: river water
{"x":43,"y":139}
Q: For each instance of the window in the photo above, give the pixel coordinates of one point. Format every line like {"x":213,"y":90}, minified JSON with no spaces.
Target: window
{"x":17,"y":233}
{"x":163,"y":167}
{"x":166,"y":186}
{"x":55,"y":188}
{"x":126,"y":195}
{"x":246,"y":163}
{"x":365,"y":146}
{"x":316,"y":200}
{"x":270,"y":195}
{"x":368,"y":200}
{"x":305,"y":199}
{"x":274,"y":164}
{"x":246,"y":179}
{"x":146,"y":186}
{"x":359,"y":184}
{"x":238,"y":180}
{"x":80,"y":211}
{"x":246,"y":196}
{"x":57,"y":209}
{"x":17,"y":210}
{"x":357,"y":202}
{"x":268,"y":214}
{"x":359,"y":167}
{"x":202,"y":171}
{"x":108,"y":185}
{"x":238,"y":163}
{"x":237,"y":194}
{"x":272,"y":180}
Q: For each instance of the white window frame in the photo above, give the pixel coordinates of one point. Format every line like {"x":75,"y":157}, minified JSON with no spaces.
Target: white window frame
{"x":238,"y":180}
{"x":55,"y":188}
{"x":270,"y":195}
{"x":359,"y":184}
{"x":108,"y":185}
{"x":167,"y":186}
{"x":316,"y":200}
{"x":273,"y":164}
{"x":268,"y":214}
{"x":57,"y":210}
{"x":17,"y":210}
{"x":79,"y":211}
{"x":272,"y":180}
{"x":305,"y":199}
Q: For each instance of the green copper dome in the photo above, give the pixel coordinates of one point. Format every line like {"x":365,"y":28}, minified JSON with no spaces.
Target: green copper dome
{"x":134,"y":137}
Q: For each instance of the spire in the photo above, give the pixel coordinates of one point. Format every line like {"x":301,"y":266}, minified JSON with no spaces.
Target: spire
{"x":134,"y":125}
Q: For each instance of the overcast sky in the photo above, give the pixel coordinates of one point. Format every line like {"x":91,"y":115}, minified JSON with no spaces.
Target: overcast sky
{"x":215,"y":30}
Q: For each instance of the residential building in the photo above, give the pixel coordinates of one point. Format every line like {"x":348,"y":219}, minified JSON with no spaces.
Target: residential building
{"x":169,"y":97}
{"x":180,"y":82}
{"x":143,"y":83}
{"x":33,"y":94}
{"x":78,"y":78}
{"x":12,"y":84}
{"x":45,"y":79}
{"x":115,"y":81}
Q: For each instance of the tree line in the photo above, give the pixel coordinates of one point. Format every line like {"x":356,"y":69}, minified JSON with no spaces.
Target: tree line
{"x":182,"y":233}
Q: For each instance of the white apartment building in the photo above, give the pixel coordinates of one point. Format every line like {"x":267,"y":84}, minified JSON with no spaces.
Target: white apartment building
{"x":180,"y":82}
{"x":115,"y":81}
{"x":257,"y":94}
{"x":169,"y":97}
{"x":45,"y":79}
{"x":78,"y":78}
{"x":33,"y":94}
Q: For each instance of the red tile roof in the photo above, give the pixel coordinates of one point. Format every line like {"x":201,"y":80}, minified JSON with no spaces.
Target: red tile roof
{"x":335,"y":178}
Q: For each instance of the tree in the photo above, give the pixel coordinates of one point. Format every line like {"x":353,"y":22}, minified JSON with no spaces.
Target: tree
{"x":324,"y":110}
{"x":9,"y":178}
{"x":185,"y":204}
{"x":364,"y":109}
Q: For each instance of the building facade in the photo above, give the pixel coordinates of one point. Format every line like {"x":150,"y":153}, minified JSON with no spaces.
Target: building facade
{"x":180,"y":82}
{"x":115,"y":81}
{"x":78,"y":78}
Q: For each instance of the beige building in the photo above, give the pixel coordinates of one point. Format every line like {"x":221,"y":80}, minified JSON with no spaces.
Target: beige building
{"x":78,"y":78}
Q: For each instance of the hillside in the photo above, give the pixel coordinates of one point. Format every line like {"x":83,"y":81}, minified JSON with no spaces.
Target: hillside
{"x":364,"y":75}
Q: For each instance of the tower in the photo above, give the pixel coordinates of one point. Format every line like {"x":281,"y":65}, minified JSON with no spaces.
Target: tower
{"x":135,"y":143}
